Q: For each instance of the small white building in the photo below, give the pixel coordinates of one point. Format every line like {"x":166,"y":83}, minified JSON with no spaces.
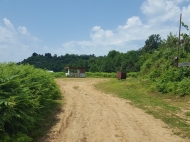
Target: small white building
{"x":75,"y":72}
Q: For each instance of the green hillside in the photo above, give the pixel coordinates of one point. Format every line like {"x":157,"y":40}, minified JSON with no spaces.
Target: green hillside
{"x":161,"y":69}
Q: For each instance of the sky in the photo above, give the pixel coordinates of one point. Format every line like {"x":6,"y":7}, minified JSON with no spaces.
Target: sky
{"x":84,"y":26}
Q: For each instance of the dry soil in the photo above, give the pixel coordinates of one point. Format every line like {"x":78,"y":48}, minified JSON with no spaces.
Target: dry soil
{"x":89,"y":115}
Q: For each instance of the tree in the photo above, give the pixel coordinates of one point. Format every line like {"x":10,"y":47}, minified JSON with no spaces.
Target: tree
{"x":152,"y":43}
{"x":172,"y":40}
{"x":48,"y":55}
{"x":112,"y":54}
{"x":108,"y":66}
{"x":34,"y":54}
{"x":131,"y":63}
{"x":93,"y":68}
{"x":185,"y":38}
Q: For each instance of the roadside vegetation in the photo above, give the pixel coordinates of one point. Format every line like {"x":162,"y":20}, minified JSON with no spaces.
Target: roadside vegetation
{"x":27,"y":97}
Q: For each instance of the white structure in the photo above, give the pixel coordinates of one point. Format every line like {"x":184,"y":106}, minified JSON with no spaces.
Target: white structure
{"x":75,"y":72}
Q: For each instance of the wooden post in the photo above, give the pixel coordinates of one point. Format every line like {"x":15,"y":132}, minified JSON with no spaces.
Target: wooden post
{"x":179,"y":38}
{"x":176,"y":62}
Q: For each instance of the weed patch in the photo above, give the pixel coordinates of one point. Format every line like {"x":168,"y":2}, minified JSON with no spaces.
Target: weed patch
{"x":76,"y":87}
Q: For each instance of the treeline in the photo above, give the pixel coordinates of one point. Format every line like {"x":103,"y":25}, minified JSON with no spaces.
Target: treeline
{"x":114,"y":61}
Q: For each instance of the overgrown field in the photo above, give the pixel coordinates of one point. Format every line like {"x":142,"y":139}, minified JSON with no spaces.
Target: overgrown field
{"x":108,"y":75}
{"x":100,"y":74}
{"x":173,"y":110}
{"x":27,"y":96}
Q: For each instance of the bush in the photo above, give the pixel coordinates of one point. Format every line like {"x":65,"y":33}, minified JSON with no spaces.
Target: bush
{"x":174,"y":80}
{"x":25,"y":93}
{"x":59,"y":74}
{"x":183,"y":87}
{"x":132,"y":74}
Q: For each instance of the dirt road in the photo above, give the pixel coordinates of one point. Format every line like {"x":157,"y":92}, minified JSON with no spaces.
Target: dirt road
{"x":92,"y":116}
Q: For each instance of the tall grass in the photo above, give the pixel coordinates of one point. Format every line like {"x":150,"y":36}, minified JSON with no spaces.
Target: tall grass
{"x":132,"y":74}
{"x":25,"y":94}
{"x":100,"y":75}
{"x":59,"y":74}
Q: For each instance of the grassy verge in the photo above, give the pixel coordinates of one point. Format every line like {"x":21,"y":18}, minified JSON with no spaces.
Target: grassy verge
{"x":173,"y":110}
{"x":101,"y":75}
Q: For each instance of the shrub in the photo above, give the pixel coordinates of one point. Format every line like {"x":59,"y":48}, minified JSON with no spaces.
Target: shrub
{"x":132,"y":74}
{"x":183,"y":87}
{"x":24,"y":94}
{"x":59,"y":74}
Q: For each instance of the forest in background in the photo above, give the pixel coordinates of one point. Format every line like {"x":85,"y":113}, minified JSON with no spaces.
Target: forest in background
{"x":114,"y":61}
{"x":130,"y":61}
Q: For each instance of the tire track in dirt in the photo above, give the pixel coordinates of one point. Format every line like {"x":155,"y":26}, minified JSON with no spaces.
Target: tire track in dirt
{"x":92,"y":116}
{"x":111,"y":112}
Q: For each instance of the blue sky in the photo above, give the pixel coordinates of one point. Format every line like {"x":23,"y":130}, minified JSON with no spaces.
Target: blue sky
{"x":84,"y":26}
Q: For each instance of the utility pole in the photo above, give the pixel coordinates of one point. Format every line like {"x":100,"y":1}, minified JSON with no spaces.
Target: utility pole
{"x":179,"y":38}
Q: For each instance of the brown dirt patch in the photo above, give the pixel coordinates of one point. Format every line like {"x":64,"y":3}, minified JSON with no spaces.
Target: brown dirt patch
{"x":92,"y":116}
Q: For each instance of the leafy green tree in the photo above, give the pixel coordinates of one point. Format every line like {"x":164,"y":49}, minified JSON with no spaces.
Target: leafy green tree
{"x":171,"y":41}
{"x":152,"y":43}
{"x":131,"y":61}
{"x":93,"y":68}
{"x":34,"y":54}
{"x":48,"y":55}
{"x":112,"y":54}
{"x":185,"y":38}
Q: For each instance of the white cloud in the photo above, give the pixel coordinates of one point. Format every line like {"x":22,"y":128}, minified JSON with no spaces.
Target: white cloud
{"x":15,"y":44}
{"x":186,"y":14}
{"x":23,"y":30}
{"x":6,"y":35}
{"x":122,"y":38}
{"x":161,"y":10}
{"x":8,"y":23}
{"x":99,"y":34}
{"x":133,"y":21}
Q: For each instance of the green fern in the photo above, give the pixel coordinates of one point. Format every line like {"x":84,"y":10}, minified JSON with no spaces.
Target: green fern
{"x":24,"y":93}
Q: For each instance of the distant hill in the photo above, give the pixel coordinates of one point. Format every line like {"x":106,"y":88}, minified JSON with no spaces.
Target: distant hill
{"x":56,"y":63}
{"x":114,"y":61}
